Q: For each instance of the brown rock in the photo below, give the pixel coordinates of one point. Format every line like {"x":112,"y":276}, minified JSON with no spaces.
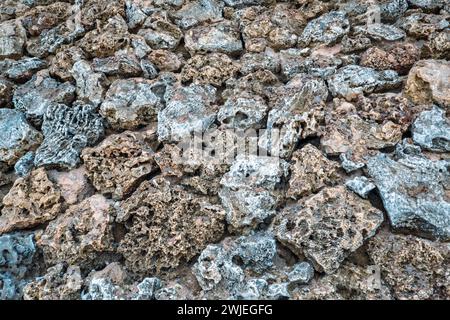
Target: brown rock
{"x":33,"y":200}
{"x":327,"y":227}
{"x":429,"y":82}
{"x":61,"y":282}
{"x":73,"y":184}
{"x":166,"y":60}
{"x":80,"y":234}
{"x":42,"y":18}
{"x":62,"y":63}
{"x":168,"y":226}
{"x":118,"y":164}
{"x":399,"y":58}
{"x":350,"y":282}
{"x":310,"y":172}
{"x":213,"y":69}
{"x":413,"y":267}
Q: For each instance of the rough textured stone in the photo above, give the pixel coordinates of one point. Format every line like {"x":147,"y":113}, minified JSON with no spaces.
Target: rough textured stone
{"x":61,"y":282}
{"x":214,"y":68}
{"x":160,"y":33}
{"x":188,"y":110}
{"x":16,"y":136}
{"x":62,"y":64}
{"x":361,"y":186}
{"x":414,"y":193}
{"x":414,"y":268}
{"x":168,"y":226}
{"x":6,"y":93}
{"x":344,"y":223}
{"x":399,"y":58}
{"x":66,"y":132}
{"x":120,"y":162}
{"x":352,"y":80}
{"x":74,"y":185}
{"x":78,"y":235}
{"x":90,"y":85}
{"x":23,"y":69}
{"x":380,"y":31}
{"x":131,"y":103}
{"x":12,"y":39}
{"x":421,"y":25}
{"x":249,"y":193}
{"x":34,"y":97}
{"x":196,"y":12}
{"x":32,"y":201}
{"x":123,"y":63}
{"x":221,"y":37}
{"x":431,"y":130}
{"x":310,"y":172}
{"x":428,"y":81}
{"x":326,"y":29}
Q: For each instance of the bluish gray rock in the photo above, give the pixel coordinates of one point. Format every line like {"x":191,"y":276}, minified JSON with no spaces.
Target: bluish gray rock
{"x":196,"y":12}
{"x":326,"y":29}
{"x":380,"y":31}
{"x":66,"y":132}
{"x":90,"y":85}
{"x":188,"y":110}
{"x":23,"y":69}
{"x":34,"y":97}
{"x":16,"y":136}
{"x":25,"y":164}
{"x":301,"y":273}
{"x":431,"y":130}
{"x":361,"y":186}
{"x":147,"y":288}
{"x":414,"y":192}
{"x":352,"y":80}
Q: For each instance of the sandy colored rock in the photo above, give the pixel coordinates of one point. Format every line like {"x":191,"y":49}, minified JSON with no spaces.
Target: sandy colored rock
{"x":327,"y":227}
{"x":74,"y":184}
{"x":168,"y":226}
{"x":120,"y":162}
{"x":429,"y":81}
{"x":310,"y":172}
{"x":32,"y":201}
{"x":80,"y":234}
{"x":414,"y":268}
{"x":61,"y":282}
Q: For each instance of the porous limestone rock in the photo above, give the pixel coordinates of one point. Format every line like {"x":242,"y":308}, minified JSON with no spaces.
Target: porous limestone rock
{"x":79,"y":234}
{"x":428,"y":82}
{"x":249,"y":193}
{"x":351,"y":80}
{"x":214,"y":68}
{"x":61,"y":282}
{"x":120,"y":162}
{"x":168,"y":226}
{"x":16,"y":136}
{"x":327,"y":227}
{"x":414,"y":191}
{"x":32,"y":201}
{"x":399,"y":58}
{"x":414,"y":268}
{"x":431,"y":130}
{"x":131,"y":103}
{"x":66,"y":132}
{"x":310,"y":171}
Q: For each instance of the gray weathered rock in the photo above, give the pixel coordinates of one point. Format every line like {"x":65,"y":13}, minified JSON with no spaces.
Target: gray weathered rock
{"x":34,"y":97}
{"x":123,"y":63}
{"x":431,"y":130}
{"x":249,"y":192}
{"x":22,"y":69}
{"x":188,"y":110}
{"x":301,"y":273}
{"x":12,"y":39}
{"x":130,"y":103}
{"x":66,"y":132}
{"x":16,"y":136}
{"x":380,"y":31}
{"x":352,"y":80}
{"x":90,"y":85}
{"x":413,"y":190}
{"x":6,"y":92}
{"x":220,"y":37}
{"x":326,"y":29}
{"x":243,"y":112}
{"x":161,"y":34}
{"x":25,"y":164}
{"x":361,"y":186}
{"x":196,"y":12}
